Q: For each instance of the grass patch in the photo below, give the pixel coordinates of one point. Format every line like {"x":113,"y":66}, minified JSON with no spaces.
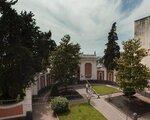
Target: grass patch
{"x":105,"y":90}
{"x":82,"y":112}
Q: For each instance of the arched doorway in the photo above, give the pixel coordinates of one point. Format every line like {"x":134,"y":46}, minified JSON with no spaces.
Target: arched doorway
{"x":100,"y":75}
{"x":110,"y":76}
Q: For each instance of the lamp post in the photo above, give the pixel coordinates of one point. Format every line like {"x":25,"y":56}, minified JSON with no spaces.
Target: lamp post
{"x":135,"y":116}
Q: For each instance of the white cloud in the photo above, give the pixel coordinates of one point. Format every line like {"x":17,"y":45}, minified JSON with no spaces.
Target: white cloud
{"x":87,"y":21}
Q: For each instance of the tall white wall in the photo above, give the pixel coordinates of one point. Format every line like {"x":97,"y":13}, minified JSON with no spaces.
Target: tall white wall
{"x":146,"y":61}
{"x":142,"y":31}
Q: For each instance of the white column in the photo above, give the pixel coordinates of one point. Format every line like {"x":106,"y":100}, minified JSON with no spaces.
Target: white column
{"x":94,"y":70}
{"x":82,"y":71}
{"x":35,"y":88}
{"x":39,"y":82}
{"x":105,"y":74}
{"x":27,"y":103}
{"x":45,"y":79}
{"x":115,"y":73}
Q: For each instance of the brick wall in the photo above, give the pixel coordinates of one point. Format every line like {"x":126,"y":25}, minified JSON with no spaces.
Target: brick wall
{"x":11,"y":111}
{"x":18,"y":109}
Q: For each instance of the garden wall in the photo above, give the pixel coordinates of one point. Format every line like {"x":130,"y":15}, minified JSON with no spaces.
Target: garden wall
{"x":18,"y":109}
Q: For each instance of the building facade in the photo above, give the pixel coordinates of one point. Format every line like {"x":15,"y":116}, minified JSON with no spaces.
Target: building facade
{"x":142,"y":31}
{"x":90,"y":69}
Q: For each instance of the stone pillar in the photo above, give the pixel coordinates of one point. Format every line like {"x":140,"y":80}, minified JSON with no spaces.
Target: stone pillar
{"x":28,"y":100}
{"x":27,"y":104}
{"x":105,"y":74}
{"x":39,"y":82}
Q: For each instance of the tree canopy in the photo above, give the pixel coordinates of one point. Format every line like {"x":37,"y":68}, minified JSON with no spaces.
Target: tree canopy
{"x":23,"y":50}
{"x":65,"y":61}
{"x":132,"y":74}
{"x":112,"y":50}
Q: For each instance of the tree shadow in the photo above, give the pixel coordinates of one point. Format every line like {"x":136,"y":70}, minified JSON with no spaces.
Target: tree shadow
{"x":135,"y":105}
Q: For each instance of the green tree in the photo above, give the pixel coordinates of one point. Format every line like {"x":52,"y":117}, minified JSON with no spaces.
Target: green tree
{"x":100,"y":60}
{"x":112,"y":50}
{"x":65,"y":61}
{"x":22,"y":50}
{"x":45,"y":47}
{"x":132,"y":74}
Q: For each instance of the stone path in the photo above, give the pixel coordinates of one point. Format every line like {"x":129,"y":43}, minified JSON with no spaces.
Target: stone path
{"x":110,"y":112}
{"x":42,"y":110}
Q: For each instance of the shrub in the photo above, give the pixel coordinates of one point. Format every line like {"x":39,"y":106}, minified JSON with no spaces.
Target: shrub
{"x":54,"y":90}
{"x":60,"y":105}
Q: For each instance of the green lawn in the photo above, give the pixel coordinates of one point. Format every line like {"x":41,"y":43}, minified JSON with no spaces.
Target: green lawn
{"x":82,"y":112}
{"x":105,"y":90}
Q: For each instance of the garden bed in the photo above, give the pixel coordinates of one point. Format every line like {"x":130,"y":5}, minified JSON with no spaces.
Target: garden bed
{"x":70,"y":94}
{"x":82,"y":112}
{"x":129,"y":107}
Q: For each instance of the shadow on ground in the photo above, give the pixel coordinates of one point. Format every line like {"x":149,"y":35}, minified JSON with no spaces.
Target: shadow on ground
{"x":129,"y":107}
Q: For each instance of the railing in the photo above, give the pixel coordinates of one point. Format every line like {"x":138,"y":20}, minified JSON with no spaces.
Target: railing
{"x":90,"y":88}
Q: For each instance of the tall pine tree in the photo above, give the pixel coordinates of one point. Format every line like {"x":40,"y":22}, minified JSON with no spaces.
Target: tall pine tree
{"x":112,"y":51}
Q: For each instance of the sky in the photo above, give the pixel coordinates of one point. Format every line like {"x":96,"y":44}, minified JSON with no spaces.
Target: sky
{"x":87,"y":21}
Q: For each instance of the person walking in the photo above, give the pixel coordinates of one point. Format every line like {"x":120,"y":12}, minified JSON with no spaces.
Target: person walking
{"x":86,"y":87}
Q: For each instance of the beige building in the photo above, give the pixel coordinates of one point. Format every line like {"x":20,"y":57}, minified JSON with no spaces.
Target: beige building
{"x":89,"y":69}
{"x":142,"y":31}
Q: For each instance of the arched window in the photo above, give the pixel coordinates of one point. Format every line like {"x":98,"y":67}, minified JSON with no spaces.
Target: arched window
{"x":100,"y":75}
{"x":88,"y":70}
{"x":110,"y":76}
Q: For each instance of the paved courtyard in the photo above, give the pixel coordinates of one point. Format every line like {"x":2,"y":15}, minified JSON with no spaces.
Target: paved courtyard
{"x":109,"y":111}
{"x":105,"y":108}
{"x":42,"y":110}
